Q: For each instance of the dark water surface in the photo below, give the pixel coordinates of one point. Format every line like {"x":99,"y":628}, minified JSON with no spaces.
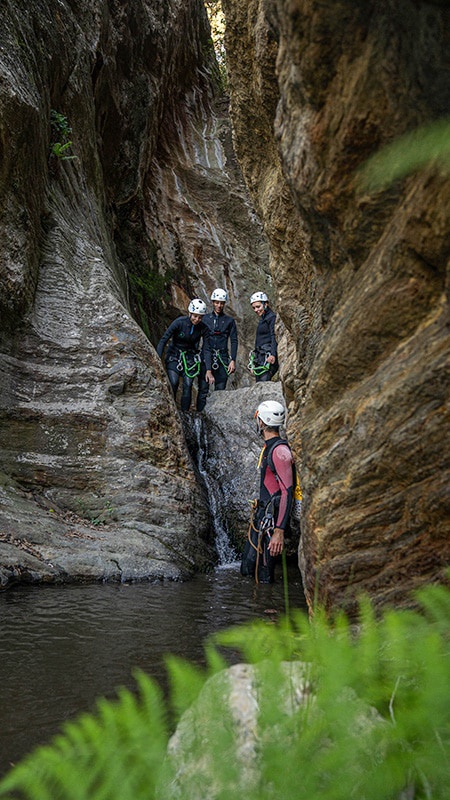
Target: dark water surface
{"x":62,"y":647}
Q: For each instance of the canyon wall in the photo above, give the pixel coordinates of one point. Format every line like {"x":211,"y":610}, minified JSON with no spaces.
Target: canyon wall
{"x":151,"y":203}
{"x":120,"y":200}
{"x":361,"y":278}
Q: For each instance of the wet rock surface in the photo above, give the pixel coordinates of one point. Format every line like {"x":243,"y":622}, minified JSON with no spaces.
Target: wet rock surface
{"x":104,"y":243}
{"x":226,"y":432}
{"x":97,"y":480}
{"x":361,"y":279}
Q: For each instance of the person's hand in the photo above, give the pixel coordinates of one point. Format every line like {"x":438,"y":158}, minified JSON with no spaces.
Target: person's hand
{"x":270,"y":359}
{"x":209,"y":377}
{"x":276,"y":543}
{"x":231,"y":367}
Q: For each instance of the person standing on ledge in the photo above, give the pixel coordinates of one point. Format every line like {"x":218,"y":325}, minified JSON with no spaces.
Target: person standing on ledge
{"x":223,"y":330}
{"x":272,"y":510}
{"x":183,"y":356}
{"x":263,"y":361}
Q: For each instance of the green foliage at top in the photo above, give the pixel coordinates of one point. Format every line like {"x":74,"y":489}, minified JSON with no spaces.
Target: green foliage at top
{"x":61,"y":133}
{"x":426,"y":146}
{"x":217,"y":24}
{"x":60,"y":125}
{"x":369,"y":719}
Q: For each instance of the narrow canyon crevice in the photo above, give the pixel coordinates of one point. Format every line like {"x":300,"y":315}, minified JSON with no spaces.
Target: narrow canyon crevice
{"x":164,"y":193}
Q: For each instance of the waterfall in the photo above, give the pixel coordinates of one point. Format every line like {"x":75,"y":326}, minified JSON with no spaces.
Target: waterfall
{"x":225,"y":550}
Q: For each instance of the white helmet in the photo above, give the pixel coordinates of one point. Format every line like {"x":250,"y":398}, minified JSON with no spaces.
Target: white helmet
{"x":271,"y":413}
{"x":219,"y":294}
{"x":197,"y":307}
{"x":259,"y":297}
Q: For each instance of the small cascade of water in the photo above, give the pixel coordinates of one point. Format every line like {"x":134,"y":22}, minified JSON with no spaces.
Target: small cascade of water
{"x":225,"y":550}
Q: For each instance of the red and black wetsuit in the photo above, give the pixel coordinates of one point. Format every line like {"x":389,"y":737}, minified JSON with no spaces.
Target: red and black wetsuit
{"x":277,"y":487}
{"x":273,"y":509}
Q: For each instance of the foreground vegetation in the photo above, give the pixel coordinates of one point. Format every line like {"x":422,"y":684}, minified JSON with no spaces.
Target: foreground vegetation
{"x":372,"y":720}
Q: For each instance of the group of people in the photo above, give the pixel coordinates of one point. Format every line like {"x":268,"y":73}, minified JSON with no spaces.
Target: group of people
{"x":204,"y":346}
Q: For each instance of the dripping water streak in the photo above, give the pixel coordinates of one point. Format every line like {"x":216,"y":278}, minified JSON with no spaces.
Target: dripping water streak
{"x":225,"y":550}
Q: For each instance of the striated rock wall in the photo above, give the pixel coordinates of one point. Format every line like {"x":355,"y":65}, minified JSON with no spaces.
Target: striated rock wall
{"x":99,"y":252}
{"x":139,"y":214}
{"x":361,"y":280}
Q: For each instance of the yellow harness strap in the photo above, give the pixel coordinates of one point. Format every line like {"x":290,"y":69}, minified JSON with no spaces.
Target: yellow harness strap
{"x":261,"y":456}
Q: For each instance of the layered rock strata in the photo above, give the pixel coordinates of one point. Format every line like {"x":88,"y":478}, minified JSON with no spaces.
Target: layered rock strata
{"x":111,"y":160}
{"x":361,"y":279}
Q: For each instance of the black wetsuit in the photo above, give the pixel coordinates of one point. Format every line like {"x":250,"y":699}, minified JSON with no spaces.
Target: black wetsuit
{"x":265,"y":343}
{"x":183,"y":354}
{"x":222,"y":330}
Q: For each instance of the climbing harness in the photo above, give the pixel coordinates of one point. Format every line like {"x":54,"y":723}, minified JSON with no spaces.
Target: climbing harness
{"x":217,"y":360}
{"x":257,"y":369}
{"x":191,"y":371}
{"x":265,"y":529}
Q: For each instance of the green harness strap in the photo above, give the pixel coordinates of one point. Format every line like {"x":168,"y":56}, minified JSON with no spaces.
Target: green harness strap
{"x":257,"y":370}
{"x":190,"y":372}
{"x":217,"y":357}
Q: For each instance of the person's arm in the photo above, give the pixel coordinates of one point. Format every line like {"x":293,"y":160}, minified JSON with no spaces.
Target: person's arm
{"x":282,"y":461}
{"x":273,"y":341}
{"x":233,"y":340}
{"x":232,"y":334}
{"x":206,"y":351}
{"x":165,"y":338}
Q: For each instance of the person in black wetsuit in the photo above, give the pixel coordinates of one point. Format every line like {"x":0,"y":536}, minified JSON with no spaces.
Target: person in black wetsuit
{"x":223,"y":330}
{"x":183,"y":356}
{"x":263,"y":361}
{"x":273,"y":508}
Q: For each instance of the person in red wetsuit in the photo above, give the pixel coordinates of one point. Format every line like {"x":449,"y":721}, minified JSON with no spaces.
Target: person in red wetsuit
{"x":273,"y":508}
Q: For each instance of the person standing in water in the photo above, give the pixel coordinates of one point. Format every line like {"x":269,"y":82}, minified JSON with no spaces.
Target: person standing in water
{"x":183,"y":354}
{"x":223,"y":335}
{"x":263,"y":361}
{"x":272,"y":510}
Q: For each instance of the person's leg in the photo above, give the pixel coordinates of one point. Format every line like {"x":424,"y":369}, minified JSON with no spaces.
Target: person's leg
{"x":250,"y":551}
{"x":266,"y":562}
{"x":203,"y":388}
{"x":220,"y":378}
{"x":186,"y":393}
{"x":174,"y":377}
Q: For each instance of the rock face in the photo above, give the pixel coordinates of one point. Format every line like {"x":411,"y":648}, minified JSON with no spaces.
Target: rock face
{"x":109,"y":228}
{"x":230,"y":450}
{"x":96,"y":479}
{"x":361,"y":280}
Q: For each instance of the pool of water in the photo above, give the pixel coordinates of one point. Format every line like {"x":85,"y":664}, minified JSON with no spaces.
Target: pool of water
{"x":62,"y":647}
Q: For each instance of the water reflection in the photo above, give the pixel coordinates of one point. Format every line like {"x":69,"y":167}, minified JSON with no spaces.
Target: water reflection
{"x":63,"y":647}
